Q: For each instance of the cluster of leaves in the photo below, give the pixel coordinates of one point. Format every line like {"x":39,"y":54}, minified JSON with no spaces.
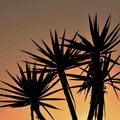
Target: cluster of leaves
{"x":34,"y":85}
{"x":32,"y":89}
{"x":100,"y":65}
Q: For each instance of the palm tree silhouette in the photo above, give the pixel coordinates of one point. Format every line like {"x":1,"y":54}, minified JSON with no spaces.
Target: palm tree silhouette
{"x":58,"y":59}
{"x":97,"y":100}
{"x":32,"y":89}
{"x":99,"y":56}
{"x":94,"y":58}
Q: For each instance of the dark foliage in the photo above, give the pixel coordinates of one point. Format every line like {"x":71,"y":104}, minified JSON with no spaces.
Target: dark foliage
{"x":99,"y":53}
{"x":58,"y":59}
{"x":32,"y":89}
{"x":94,"y":58}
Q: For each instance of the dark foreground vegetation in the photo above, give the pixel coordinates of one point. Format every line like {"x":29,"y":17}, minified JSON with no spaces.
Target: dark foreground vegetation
{"x":95,"y":59}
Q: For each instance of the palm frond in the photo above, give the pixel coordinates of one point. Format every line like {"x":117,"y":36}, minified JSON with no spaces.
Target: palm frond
{"x":31,"y":89}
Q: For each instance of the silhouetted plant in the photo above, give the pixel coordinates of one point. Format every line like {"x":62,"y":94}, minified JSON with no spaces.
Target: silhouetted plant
{"x":34,"y":84}
{"x":99,"y":56}
{"x":32,"y":89}
{"x":58,"y":59}
{"x":97,"y":98}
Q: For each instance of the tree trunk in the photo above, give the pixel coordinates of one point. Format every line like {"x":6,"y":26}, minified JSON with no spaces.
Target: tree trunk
{"x":67,"y":94}
{"x":32,"y":114}
{"x":40,"y":116}
{"x":35,"y":107}
{"x":97,"y":95}
{"x":92,"y":105}
{"x":101,"y":104}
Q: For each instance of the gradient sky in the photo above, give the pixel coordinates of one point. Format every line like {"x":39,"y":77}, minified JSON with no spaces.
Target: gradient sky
{"x":21,"y":20}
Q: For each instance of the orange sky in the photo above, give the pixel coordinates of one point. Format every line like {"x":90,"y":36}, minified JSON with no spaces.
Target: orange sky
{"x":21,"y":20}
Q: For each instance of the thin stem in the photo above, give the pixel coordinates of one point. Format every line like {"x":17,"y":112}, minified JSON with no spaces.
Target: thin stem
{"x":92,"y":105}
{"x":101,"y":104}
{"x":35,"y":107}
{"x":40,"y":116}
{"x":65,"y":86}
{"x":32,"y":114}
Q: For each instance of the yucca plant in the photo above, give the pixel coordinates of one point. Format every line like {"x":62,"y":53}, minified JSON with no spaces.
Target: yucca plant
{"x":31,"y":89}
{"x":98,"y":50}
{"x":97,"y":104}
{"x":58,"y":59}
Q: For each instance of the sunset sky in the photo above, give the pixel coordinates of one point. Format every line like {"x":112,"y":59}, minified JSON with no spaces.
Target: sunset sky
{"x":23,"y":20}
